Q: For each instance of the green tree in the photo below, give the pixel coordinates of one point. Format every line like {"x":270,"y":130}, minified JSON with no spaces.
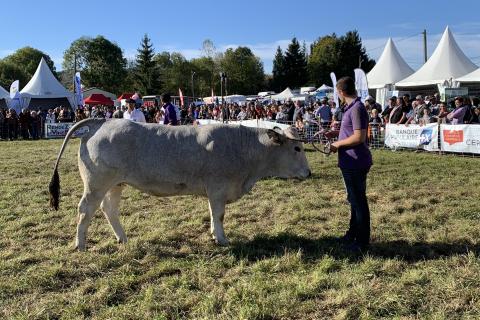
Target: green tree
{"x":101,"y":62}
{"x":28,"y":58}
{"x":147,"y":76}
{"x":295,"y":65}
{"x":324,"y":58}
{"x":204,"y":77}
{"x":10,"y":72}
{"x":337,"y":54}
{"x":244,"y":71}
{"x":352,"y":52}
{"x":279,"y":77}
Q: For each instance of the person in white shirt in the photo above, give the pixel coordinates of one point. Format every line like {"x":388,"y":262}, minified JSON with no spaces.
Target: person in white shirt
{"x":132,"y":113}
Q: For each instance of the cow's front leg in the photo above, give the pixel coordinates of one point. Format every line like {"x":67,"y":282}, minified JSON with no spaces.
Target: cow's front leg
{"x":217,"y":212}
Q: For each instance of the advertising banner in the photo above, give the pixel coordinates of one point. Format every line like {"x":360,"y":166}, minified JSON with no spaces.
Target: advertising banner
{"x":460,"y":138}
{"x":412,"y":136}
{"x":60,"y":130}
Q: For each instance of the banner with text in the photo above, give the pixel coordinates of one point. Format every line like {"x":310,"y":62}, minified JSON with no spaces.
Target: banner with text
{"x":412,"y":136}
{"x":60,"y":130}
{"x":460,"y":138}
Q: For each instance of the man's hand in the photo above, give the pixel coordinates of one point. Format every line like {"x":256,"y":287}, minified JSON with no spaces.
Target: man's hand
{"x":334,"y":147}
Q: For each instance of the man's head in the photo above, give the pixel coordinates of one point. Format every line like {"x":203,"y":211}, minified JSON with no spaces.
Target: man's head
{"x":166,"y":98}
{"x":392,"y":101}
{"x":419,"y":98}
{"x":346,"y":88}
{"x":370,"y":100}
{"x":130,"y":104}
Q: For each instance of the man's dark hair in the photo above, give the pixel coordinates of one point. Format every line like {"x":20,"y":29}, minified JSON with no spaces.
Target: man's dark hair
{"x":166,"y":98}
{"x":347,"y":85}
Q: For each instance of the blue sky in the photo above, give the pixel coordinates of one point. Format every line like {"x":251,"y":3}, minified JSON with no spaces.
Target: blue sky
{"x":182,"y":26}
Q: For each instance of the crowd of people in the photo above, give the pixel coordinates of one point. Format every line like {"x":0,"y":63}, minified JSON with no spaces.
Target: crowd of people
{"x":307,"y":117}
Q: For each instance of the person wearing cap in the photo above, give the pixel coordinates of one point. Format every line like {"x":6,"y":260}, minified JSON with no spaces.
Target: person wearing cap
{"x":354,"y":161}
{"x":457,"y":115}
{"x":170,"y":111}
{"x":133,"y":114}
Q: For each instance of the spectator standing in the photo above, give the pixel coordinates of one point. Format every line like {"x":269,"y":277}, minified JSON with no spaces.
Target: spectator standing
{"x":392,"y":101}
{"x":399,"y":112}
{"x":170,"y":111}
{"x":12,"y":122}
{"x":457,"y":115}
{"x":118,"y":114}
{"x":50,"y":118}
{"x":25,"y":121}
{"x":324,"y":112}
{"x":132,"y":113}
{"x":35,"y":125}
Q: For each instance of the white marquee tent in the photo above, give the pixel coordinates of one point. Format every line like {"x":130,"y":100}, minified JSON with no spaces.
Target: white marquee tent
{"x":471,"y":77}
{"x":284,"y":95}
{"x":447,"y":61}
{"x":389,"y":69}
{"x":44,"y":90}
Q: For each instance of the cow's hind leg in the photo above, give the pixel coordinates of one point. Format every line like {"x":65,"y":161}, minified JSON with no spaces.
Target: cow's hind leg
{"x":110,"y":207}
{"x":86,"y":208}
{"x":217,"y":212}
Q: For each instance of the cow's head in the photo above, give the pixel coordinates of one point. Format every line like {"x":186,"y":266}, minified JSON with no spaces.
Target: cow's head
{"x":288,"y":158}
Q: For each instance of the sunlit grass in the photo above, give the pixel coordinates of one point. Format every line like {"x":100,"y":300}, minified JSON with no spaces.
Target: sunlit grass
{"x":282,"y":262}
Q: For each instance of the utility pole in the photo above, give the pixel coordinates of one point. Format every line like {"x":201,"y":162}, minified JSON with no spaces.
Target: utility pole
{"x":425,"y":44}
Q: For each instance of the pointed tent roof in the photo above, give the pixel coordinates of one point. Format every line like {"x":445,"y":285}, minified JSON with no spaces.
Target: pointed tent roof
{"x":284,"y":95}
{"x":44,"y":84}
{"x":470,"y":77}
{"x":447,"y":61}
{"x":324,"y":87}
{"x":98,"y":98}
{"x":389,"y":68}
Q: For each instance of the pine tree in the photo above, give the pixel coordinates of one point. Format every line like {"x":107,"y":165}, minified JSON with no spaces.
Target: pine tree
{"x":278,"y":80}
{"x":147,"y":77}
{"x":295,"y":65}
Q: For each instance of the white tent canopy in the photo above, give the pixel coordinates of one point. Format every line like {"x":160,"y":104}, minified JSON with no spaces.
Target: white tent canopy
{"x":389,"y":69}
{"x":284,"y":95}
{"x":324,"y":87}
{"x":44,"y":85}
{"x":471,"y":77}
{"x":447,"y":61}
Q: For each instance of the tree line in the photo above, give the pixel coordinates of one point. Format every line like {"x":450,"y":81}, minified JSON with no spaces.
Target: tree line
{"x":102,"y":64}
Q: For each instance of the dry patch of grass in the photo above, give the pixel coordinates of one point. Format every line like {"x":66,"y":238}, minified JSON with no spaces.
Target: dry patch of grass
{"x":283,"y":262}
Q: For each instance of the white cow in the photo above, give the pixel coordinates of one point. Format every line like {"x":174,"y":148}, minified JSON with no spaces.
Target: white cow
{"x":221,"y":162}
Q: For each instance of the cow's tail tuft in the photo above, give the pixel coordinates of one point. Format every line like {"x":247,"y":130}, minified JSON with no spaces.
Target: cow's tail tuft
{"x":54,"y":189}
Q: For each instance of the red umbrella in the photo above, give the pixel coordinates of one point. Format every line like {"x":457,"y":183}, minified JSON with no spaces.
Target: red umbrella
{"x":97,"y":98}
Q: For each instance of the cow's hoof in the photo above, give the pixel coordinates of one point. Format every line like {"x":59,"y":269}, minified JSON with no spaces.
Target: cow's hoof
{"x":122,"y":240}
{"x":222,"y":242}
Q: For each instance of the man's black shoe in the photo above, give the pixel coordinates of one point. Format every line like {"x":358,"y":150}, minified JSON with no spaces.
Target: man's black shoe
{"x":346,"y":239}
{"x":357,"y":248}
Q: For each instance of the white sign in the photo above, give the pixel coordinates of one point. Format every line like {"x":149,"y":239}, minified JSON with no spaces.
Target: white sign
{"x":412,"y":136}
{"x":60,"y":130}
{"x":460,"y":138}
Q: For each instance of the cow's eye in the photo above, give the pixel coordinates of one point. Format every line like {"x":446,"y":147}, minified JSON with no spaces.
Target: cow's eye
{"x":297,"y":149}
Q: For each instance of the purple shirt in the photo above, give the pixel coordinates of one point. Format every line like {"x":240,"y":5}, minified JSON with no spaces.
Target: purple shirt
{"x":170,"y":115}
{"x":355,"y":117}
{"x":457,"y":115}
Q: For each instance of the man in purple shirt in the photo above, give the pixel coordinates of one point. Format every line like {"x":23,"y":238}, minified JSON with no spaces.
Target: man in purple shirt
{"x":170,"y":112}
{"x":354,"y":160}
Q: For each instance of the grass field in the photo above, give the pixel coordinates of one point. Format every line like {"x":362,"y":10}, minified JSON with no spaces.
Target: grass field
{"x":282,"y":262}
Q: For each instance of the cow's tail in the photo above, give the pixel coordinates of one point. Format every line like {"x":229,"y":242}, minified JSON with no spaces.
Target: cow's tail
{"x":54,"y":185}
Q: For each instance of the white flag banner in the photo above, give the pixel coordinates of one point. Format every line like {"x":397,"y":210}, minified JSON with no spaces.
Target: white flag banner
{"x":335,"y":92}
{"x":14,"y":90}
{"x":361,"y":84}
{"x":460,"y":138}
{"x":78,"y":89}
{"x":412,"y":136}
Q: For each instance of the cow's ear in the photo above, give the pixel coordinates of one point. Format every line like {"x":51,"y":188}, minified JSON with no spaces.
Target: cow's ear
{"x":276,"y":137}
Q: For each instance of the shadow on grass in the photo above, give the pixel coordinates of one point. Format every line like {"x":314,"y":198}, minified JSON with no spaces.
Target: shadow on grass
{"x":263,"y":246}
